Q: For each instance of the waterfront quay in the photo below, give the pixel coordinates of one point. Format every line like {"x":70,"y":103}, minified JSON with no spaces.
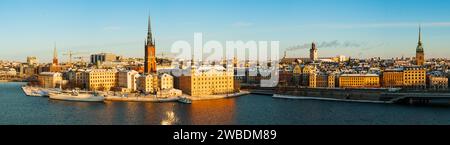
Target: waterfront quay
{"x":374,"y":95}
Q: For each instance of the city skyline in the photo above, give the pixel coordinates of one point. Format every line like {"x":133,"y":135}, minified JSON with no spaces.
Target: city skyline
{"x":363,"y":29}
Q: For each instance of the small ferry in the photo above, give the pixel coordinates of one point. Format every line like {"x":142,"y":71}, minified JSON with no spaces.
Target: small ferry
{"x":75,"y":96}
{"x":185,"y":100}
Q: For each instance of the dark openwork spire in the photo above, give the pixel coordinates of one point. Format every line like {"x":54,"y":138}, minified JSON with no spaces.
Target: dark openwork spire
{"x":419,"y":44}
{"x":150,"y":40}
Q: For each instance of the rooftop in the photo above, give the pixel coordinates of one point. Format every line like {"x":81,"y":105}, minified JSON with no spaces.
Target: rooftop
{"x":359,"y":75}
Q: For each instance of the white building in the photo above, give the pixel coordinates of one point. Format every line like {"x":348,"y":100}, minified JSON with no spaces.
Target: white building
{"x":127,"y":80}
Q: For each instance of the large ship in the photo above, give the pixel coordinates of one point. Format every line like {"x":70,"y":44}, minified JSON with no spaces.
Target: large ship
{"x":76,"y":96}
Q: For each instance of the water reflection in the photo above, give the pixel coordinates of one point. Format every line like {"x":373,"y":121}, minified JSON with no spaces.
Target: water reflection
{"x":212,"y":112}
{"x":169,"y":119}
{"x":17,"y":108}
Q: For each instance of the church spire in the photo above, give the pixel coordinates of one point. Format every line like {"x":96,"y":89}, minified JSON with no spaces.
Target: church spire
{"x":420,"y":35}
{"x":55,"y":55}
{"x":149,"y":33}
{"x":419,"y":43}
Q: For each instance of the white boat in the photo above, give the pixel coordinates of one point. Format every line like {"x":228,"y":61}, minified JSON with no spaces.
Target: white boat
{"x":30,"y":91}
{"x":75,"y":96}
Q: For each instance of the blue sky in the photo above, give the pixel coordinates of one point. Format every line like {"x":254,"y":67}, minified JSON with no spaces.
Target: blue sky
{"x":385,"y":28}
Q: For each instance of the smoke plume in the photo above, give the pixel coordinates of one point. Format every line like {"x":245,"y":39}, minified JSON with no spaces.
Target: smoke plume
{"x":330,"y":44}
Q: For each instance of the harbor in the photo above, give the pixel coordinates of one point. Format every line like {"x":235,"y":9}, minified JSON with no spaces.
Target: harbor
{"x":89,"y":96}
{"x":250,"y":109}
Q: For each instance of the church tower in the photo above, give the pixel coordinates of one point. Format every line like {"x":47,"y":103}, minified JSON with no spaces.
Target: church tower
{"x":313,"y":52}
{"x":55,"y":56}
{"x":420,"y":55}
{"x":150,"y":52}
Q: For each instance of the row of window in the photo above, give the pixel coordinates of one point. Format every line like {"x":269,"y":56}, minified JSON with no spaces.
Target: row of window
{"x":209,"y":87}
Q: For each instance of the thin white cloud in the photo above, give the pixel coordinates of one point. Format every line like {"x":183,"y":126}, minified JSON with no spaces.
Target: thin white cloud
{"x":381,"y":25}
{"x":242,"y":24}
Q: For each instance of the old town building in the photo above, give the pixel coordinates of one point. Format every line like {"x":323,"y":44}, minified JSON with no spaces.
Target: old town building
{"x":359,"y":81}
{"x":208,"y":80}
{"x":50,"y":79}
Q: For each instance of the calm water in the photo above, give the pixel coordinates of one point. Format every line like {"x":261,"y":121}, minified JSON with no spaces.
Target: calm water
{"x":16,"y":108}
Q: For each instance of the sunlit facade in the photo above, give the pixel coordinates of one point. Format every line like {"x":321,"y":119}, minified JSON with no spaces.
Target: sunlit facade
{"x":359,"y":81}
{"x":101,"y":79}
{"x":208,"y":81}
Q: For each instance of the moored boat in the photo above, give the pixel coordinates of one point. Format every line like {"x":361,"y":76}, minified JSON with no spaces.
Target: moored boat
{"x":30,"y":91}
{"x":185,"y":100}
{"x":75,"y":96}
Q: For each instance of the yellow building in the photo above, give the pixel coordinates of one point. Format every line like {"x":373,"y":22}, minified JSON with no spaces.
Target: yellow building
{"x":312,"y":79}
{"x":50,"y":79}
{"x":331,"y":81}
{"x":359,"y":81}
{"x":414,"y":77}
{"x":148,"y":83}
{"x":325,"y":80}
{"x":437,"y":82}
{"x":322,"y":80}
{"x":297,"y":70}
{"x":208,"y":81}
{"x":392,"y":78}
{"x":101,"y":79}
{"x":309,"y":76}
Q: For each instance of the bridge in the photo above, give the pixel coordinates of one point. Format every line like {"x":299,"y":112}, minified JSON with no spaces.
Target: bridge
{"x":421,"y":98}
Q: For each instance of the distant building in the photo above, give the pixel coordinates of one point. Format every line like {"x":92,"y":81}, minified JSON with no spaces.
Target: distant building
{"x":32,"y":60}
{"x":54,"y":67}
{"x":313,"y":52}
{"x":359,"y":81}
{"x":50,"y":79}
{"x":103,"y":57}
{"x":55,"y":57}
